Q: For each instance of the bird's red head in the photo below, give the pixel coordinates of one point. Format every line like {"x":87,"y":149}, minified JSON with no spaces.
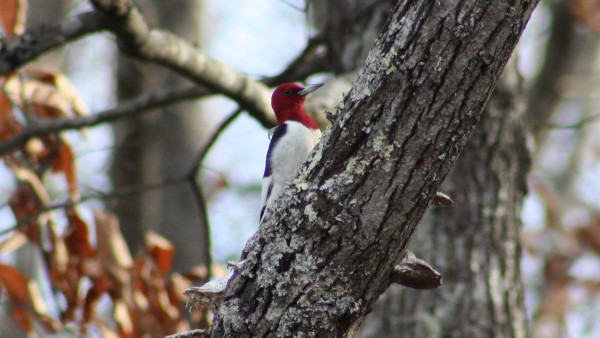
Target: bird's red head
{"x":287,"y":103}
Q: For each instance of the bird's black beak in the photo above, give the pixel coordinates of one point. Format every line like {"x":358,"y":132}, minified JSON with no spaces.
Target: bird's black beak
{"x":310,"y":89}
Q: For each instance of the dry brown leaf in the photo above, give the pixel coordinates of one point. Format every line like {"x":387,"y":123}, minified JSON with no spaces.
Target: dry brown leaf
{"x":13,"y":15}
{"x":161,"y":251}
{"x":34,"y":148}
{"x":140,"y":276}
{"x":50,"y":324}
{"x":59,"y":256}
{"x":140,"y":301}
{"x":556,"y":269}
{"x":169,"y":309}
{"x":551,"y":202}
{"x":9,"y":125}
{"x":177,"y":286}
{"x":27,"y":175}
{"x":591,"y":234}
{"x":37,"y":301}
{"x":123,"y":318}
{"x":555,"y":303}
{"x":62,"y":84}
{"x":43,"y":98}
{"x":592,"y":286}
{"x":15,"y":284}
{"x":113,"y":253}
{"x":12,"y":243}
{"x":197,"y":272}
{"x":49,"y":92}
{"x":99,"y":286}
{"x":76,"y":239}
{"x":23,"y":318}
{"x":26,"y":206}
{"x":105,"y":331}
{"x":64,"y":162}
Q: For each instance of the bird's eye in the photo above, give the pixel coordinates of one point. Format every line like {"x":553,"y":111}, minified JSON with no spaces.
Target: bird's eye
{"x":287,"y":91}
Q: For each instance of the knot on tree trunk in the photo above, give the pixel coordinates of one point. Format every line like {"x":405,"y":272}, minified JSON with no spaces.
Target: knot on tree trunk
{"x":415,"y":273}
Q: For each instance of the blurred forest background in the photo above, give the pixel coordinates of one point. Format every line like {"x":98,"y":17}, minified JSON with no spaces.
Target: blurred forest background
{"x":102,"y":227}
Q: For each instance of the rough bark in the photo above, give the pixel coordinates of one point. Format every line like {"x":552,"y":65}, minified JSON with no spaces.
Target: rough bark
{"x":319,"y":264}
{"x":475,"y":243}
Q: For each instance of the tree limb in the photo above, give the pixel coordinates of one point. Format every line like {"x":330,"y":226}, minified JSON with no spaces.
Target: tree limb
{"x":189,"y":177}
{"x":196,"y":186}
{"x":40,"y":40}
{"x":137,"y":39}
{"x":310,"y":61}
{"x":128,"y":109}
{"x":209,"y":295}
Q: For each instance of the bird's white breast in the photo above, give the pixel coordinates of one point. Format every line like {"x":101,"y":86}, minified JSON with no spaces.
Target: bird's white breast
{"x":285,"y":159}
{"x":292,"y":150}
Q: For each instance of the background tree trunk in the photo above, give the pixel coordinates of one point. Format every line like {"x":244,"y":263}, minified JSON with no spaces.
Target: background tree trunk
{"x":317,"y":267}
{"x":153,"y":148}
{"x":475,"y":243}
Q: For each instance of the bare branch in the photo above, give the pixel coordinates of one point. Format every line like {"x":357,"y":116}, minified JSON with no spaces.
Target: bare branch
{"x":576,"y":125}
{"x":42,"y":39}
{"x":98,"y":195}
{"x":128,"y":109}
{"x":189,"y":177}
{"x":313,"y":59}
{"x":196,"y":186}
{"x":138,"y":40}
{"x":211,"y":141}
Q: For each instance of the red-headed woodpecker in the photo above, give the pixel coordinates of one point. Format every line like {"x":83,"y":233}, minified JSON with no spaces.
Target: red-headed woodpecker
{"x":292,"y":141}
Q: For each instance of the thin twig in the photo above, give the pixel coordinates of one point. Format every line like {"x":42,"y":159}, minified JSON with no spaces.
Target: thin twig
{"x":137,"y":39}
{"x":575,"y":125}
{"x":98,"y":195}
{"x":40,"y":40}
{"x":128,"y":109}
{"x":133,"y":190}
{"x":196,"y":185}
{"x":309,"y":62}
{"x":211,"y":141}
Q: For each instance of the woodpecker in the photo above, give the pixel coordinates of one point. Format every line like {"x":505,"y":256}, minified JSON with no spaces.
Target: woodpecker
{"x":293,"y":139}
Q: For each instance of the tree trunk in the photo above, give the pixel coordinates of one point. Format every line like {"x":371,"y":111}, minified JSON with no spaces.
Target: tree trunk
{"x":475,"y":243}
{"x":319,"y":264}
{"x":153,"y":148}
